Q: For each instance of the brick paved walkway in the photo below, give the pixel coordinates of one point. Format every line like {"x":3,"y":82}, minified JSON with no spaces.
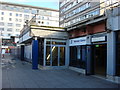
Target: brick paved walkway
{"x":16,"y":74}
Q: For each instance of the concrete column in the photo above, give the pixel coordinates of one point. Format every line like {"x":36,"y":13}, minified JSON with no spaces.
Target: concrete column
{"x":111,"y":54}
{"x":35,"y":54}
{"x":22,"y":52}
{"x":44,"y":61}
{"x":67,"y":59}
{"x":89,"y":57}
{"x":89,"y":61}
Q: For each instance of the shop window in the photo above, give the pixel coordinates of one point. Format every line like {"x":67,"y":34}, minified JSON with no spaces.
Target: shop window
{"x":78,"y":56}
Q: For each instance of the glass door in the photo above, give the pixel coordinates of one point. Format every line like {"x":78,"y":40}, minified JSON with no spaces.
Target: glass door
{"x":55,"y":56}
{"x":62,"y":56}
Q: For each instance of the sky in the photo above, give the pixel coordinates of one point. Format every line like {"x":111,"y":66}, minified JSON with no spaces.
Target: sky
{"x":54,"y":4}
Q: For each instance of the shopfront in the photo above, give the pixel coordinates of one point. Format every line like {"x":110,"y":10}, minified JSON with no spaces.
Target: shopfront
{"x":55,"y":53}
{"x":99,"y":55}
{"x":118,"y":54}
{"x":78,"y":52}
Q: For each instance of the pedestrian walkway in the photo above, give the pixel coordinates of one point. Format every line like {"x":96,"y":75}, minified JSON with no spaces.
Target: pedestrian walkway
{"x":17,"y":74}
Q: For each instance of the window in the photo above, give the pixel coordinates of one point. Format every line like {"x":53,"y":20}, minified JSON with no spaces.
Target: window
{"x":16,"y":14}
{"x":78,"y":56}
{"x":17,"y":34}
{"x":2,"y":18}
{"x":10,"y":19}
{"x":34,"y":11}
{"x":1,"y":23}
{"x":18,"y":25}
{"x":1,"y":29}
{"x":17,"y":30}
{"x":26,"y":16}
{"x":16,"y":20}
{"x":20,"y":20}
{"x":10,"y":8}
{"x":10,"y":24}
{"x":81,"y":8}
{"x":47,"y":23}
{"x":18,"y":9}
{"x":10,"y":14}
{"x":47,"y":18}
{"x":26,"y":10}
{"x":9,"y":29}
{"x":20,"y":15}
{"x":2,"y":13}
{"x":42,"y":18}
{"x":1,"y":34}
{"x":9,"y":34}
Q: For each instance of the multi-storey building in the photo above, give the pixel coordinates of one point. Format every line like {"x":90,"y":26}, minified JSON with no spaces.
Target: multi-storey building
{"x":13,"y":18}
{"x":93,"y":28}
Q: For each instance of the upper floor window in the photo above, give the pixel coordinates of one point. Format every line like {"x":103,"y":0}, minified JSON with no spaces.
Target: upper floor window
{"x":26,"y":10}
{"x":1,"y":34}
{"x":10,"y":19}
{"x":10,"y":14}
{"x":10,"y":8}
{"x":9,"y":34}
{"x":16,"y":20}
{"x":1,"y":23}
{"x":2,"y":18}
{"x":42,"y":18}
{"x":26,"y":16}
{"x":20,"y":15}
{"x":20,"y":20}
{"x":17,"y":34}
{"x":1,"y":29}
{"x":18,"y":25}
{"x":34,"y":11}
{"x":17,"y":30}
{"x":9,"y":29}
{"x":2,"y":13}
{"x":10,"y":24}
{"x":47,"y":23}
{"x":16,"y":14}
{"x":48,"y":18}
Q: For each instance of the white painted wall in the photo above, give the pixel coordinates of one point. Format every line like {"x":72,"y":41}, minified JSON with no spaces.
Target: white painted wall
{"x":28,"y":52}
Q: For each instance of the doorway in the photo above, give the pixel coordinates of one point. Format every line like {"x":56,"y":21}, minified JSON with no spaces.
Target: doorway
{"x":99,"y":59}
{"x":55,"y":56}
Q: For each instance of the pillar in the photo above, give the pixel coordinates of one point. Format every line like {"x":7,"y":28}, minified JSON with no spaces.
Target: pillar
{"x":89,"y":61}
{"x":111,"y":54}
{"x":35,"y":54}
{"x":22,"y":52}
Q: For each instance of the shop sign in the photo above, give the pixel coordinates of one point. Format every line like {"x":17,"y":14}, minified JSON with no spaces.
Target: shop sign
{"x":98,"y":39}
{"x":78,"y":41}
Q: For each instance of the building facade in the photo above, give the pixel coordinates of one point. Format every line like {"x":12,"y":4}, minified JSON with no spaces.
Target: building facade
{"x":44,"y":46}
{"x":93,"y":29}
{"x":13,"y":18}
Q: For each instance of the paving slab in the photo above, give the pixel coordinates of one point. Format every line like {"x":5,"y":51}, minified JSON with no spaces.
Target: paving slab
{"x":17,"y":74}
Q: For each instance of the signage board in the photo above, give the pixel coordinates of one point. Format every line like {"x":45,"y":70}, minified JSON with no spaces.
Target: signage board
{"x":78,"y":41}
{"x":98,"y":39}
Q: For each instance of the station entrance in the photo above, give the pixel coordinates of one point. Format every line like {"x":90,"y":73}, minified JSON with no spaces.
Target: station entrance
{"x":54,"y":52}
{"x":99,"y":59}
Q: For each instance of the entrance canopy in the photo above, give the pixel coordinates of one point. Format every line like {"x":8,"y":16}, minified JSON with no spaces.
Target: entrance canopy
{"x":43,"y":32}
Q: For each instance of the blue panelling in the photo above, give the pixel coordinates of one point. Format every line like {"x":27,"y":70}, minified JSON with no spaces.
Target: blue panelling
{"x":35,"y":54}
